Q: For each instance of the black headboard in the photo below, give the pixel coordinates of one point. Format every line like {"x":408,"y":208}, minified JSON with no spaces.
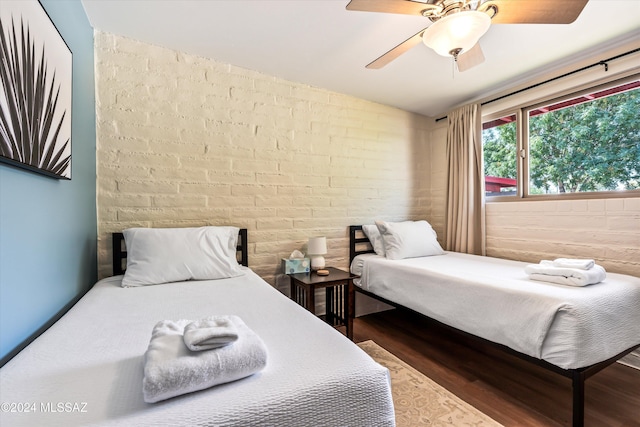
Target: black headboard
{"x":358,"y":242}
{"x":120,"y":254}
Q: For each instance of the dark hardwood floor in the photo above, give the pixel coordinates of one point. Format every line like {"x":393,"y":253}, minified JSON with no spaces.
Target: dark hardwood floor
{"x":508,"y":389}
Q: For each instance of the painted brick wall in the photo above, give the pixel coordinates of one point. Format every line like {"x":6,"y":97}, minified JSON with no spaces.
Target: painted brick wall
{"x":607,"y":230}
{"x":185,"y":141}
{"x":438,"y":179}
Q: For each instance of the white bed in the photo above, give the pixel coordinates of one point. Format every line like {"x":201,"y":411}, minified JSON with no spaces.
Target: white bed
{"x":570,"y":327}
{"x":573,"y":331}
{"x":91,"y":362}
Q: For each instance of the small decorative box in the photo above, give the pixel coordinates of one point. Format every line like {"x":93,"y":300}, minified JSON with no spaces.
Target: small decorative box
{"x":296,"y":265}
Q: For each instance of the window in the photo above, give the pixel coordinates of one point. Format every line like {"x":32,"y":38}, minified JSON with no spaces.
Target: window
{"x":583,"y":143}
{"x":499,"y":146}
{"x":586,"y":143}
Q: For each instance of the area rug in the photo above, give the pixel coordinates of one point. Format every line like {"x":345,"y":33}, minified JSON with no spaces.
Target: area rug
{"x":631,"y":360}
{"x":419,"y":401}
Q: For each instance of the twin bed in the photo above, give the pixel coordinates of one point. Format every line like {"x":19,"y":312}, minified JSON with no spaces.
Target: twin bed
{"x":573,"y":331}
{"x":87,"y":369}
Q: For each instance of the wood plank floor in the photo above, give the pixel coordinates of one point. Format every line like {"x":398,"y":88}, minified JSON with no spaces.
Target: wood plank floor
{"x":508,"y":389}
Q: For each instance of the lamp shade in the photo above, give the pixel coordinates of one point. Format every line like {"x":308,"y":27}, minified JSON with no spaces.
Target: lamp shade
{"x":461,"y":30}
{"x":317,"y":246}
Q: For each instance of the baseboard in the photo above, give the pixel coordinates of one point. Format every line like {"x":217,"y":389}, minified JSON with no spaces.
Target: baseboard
{"x":367,"y":305}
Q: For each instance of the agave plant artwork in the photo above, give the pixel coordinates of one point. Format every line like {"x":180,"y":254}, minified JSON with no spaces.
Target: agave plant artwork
{"x":35,"y":115}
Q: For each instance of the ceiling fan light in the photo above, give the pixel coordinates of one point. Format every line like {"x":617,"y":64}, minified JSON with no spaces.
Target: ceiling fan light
{"x":460,"y":30}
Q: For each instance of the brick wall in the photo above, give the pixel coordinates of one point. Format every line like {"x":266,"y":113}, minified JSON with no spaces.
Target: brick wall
{"x":607,"y":230}
{"x":186,"y":141}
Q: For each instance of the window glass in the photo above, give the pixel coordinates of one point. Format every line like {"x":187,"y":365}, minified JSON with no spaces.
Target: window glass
{"x":499,"y":144}
{"x":586,"y":143}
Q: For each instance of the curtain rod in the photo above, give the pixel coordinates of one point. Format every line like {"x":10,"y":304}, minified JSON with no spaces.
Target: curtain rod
{"x":603,"y":63}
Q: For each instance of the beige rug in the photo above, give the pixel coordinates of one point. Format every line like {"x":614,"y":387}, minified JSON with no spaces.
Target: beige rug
{"x":631,"y":360}
{"x":419,"y":401}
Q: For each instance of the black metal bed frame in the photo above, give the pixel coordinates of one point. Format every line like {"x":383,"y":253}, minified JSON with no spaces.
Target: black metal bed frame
{"x":578,"y":376}
{"x":120,"y":253}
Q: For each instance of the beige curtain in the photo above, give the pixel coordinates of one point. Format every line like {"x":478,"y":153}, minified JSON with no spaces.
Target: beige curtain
{"x":465,"y":182}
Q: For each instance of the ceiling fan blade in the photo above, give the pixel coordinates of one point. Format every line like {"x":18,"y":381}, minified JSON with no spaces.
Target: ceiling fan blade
{"x":535,"y":11}
{"x":470,"y":58}
{"x":403,"y":7}
{"x":396,"y":51}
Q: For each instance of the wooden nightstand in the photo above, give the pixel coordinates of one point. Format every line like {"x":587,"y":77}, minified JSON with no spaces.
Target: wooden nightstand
{"x":339,"y":295}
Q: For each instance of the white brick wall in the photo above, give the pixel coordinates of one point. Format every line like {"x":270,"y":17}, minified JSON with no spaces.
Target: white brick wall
{"x":186,"y":141}
{"x":607,"y":230}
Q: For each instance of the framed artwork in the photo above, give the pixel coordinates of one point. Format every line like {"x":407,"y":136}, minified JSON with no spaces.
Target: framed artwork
{"x":35,"y":91}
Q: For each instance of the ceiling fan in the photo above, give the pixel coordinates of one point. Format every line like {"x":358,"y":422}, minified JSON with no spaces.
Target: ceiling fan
{"x":457,"y":25}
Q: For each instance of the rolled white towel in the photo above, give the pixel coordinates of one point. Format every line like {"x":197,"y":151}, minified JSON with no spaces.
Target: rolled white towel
{"x":171,"y":369}
{"x":546,"y":272}
{"x":581,"y":264}
{"x":209,"y":333}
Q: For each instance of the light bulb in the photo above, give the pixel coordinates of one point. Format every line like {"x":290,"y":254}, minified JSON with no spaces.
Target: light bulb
{"x":459,"y":31}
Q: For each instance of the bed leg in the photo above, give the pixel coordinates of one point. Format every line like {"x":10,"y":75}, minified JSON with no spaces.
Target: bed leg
{"x":350,"y":307}
{"x":578,"y":398}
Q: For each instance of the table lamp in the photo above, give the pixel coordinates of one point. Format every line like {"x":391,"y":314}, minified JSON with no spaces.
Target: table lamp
{"x":316,"y":248}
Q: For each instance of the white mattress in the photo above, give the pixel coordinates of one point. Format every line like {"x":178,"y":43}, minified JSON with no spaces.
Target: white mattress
{"x":570,"y":327}
{"x":92,"y":360}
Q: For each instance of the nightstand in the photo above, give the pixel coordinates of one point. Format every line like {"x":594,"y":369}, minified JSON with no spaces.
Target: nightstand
{"x":340,"y":296}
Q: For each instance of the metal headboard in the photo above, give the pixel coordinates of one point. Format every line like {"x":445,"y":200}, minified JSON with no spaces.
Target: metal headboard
{"x":120,"y":253}
{"x":358,"y":241}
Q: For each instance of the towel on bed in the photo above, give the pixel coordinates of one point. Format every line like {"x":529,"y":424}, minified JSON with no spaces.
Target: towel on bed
{"x":212,"y":332}
{"x":546,"y":271}
{"x":171,"y":369}
{"x":581,"y":264}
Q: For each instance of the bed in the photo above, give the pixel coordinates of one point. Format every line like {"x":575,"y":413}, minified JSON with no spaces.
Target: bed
{"x":573,"y":331}
{"x":87,"y":368}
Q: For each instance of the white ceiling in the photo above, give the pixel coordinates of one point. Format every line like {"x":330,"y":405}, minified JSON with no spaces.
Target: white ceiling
{"x":320,"y":43}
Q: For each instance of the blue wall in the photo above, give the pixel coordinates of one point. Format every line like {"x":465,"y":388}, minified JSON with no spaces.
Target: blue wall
{"x":48,"y":226}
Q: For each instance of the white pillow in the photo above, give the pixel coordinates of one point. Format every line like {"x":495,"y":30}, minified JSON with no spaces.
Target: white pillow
{"x":373,"y":234}
{"x":163,"y":255}
{"x":409,"y":239}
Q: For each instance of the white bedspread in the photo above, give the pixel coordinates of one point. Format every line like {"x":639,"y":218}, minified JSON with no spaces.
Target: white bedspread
{"x":493,"y":298}
{"x":93,"y":357}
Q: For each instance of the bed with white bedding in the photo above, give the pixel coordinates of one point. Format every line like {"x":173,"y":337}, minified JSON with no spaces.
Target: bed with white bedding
{"x":569,"y":327}
{"x":575,"y":331}
{"x":87,"y":368}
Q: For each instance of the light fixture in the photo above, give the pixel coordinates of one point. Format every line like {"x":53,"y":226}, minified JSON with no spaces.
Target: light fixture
{"x":316,"y":248}
{"x":457,"y":32}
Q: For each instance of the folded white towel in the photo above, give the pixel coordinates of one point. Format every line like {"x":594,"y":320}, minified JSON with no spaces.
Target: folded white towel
{"x":171,"y":369}
{"x":581,"y":264}
{"x":547,"y":272}
{"x":212,"y":332}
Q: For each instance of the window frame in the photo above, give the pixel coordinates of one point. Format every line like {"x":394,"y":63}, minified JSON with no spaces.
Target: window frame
{"x":519,"y":161}
{"x":522,"y":146}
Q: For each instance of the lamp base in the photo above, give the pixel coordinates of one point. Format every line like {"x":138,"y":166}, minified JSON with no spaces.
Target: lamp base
{"x":317,"y":262}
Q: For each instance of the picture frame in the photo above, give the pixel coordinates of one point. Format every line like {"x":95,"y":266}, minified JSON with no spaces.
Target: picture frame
{"x":36,"y":77}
